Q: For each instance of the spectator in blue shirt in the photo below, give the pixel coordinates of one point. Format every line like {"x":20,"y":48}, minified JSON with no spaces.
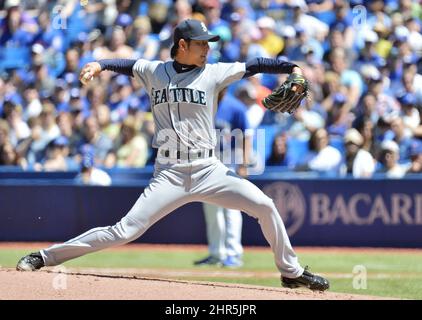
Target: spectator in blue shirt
{"x":99,"y":141}
{"x":403,"y":139}
{"x":17,"y":29}
{"x":57,"y":158}
{"x":48,"y":36}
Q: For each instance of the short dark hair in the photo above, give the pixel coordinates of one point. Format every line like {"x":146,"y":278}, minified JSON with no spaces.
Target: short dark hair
{"x":313,"y":139}
{"x":173,"y":51}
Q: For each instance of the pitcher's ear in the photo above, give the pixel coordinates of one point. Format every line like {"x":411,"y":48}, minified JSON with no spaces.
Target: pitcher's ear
{"x":183,"y":44}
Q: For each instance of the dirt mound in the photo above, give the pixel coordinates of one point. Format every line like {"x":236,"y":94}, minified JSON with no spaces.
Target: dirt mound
{"x":53,"y":284}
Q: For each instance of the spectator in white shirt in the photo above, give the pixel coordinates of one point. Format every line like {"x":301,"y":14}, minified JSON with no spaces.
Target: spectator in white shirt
{"x":389,"y":158}
{"x":324,"y":158}
{"x":409,"y":114}
{"x":313,"y":27}
{"x":18,"y":128}
{"x":359,"y":162}
{"x":90,"y":175}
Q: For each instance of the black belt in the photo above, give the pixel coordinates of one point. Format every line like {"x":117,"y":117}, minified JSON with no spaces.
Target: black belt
{"x":191,"y":155}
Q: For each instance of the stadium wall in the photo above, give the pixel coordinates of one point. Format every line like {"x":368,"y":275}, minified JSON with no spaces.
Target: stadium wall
{"x":376,"y":213}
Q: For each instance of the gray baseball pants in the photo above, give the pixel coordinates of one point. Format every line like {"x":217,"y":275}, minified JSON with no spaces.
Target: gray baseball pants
{"x":173,"y":185}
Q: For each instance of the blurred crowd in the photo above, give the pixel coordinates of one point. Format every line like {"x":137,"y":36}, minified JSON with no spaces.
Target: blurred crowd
{"x":363,"y":59}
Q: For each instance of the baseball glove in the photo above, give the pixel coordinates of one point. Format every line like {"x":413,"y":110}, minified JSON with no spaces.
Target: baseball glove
{"x":288,"y":96}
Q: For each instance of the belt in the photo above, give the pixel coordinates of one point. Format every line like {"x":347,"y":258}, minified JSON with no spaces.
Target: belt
{"x":191,"y":155}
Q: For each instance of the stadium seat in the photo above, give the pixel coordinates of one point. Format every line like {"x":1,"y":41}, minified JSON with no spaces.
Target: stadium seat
{"x":270,"y":132}
{"x":13,"y":58}
{"x":297,"y":150}
{"x":338,"y":143}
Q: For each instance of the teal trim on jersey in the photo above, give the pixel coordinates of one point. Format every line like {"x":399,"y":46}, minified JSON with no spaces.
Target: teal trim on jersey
{"x":168,"y":104}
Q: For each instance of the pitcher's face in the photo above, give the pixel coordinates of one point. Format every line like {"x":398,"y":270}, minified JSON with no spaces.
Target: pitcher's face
{"x":197,"y":51}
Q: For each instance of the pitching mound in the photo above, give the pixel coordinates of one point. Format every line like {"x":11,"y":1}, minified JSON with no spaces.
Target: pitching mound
{"x":98,"y":284}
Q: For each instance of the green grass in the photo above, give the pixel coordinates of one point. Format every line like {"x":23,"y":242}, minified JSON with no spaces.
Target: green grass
{"x":388,"y":274}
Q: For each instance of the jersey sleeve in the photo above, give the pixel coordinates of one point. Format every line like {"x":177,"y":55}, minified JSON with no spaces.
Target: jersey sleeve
{"x":143,"y":71}
{"x":227,"y":73}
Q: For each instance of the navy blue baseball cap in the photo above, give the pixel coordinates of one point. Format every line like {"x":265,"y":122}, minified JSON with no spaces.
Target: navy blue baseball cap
{"x":191,"y":29}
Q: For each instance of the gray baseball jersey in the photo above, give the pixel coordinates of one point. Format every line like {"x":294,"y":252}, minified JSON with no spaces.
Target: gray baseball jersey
{"x":185,"y":103}
{"x":181,"y":104}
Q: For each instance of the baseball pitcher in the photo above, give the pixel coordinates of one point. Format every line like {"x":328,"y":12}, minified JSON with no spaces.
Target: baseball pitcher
{"x":183,"y":95}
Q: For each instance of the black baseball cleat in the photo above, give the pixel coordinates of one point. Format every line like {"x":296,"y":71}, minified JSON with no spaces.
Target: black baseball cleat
{"x":31,"y":262}
{"x":307,"y":280}
{"x":208,"y":261}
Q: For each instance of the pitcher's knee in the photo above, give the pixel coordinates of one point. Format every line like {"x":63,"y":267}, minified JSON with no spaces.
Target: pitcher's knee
{"x":265,"y":206}
{"x":129,"y":230}
{"x":270,"y":206}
